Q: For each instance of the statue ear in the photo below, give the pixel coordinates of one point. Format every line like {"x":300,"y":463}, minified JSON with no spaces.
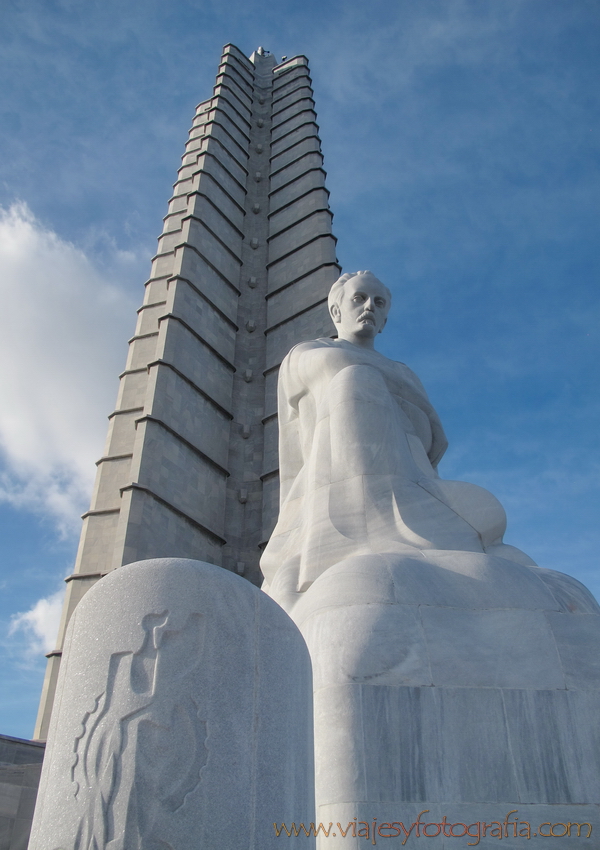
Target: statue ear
{"x":336,"y":313}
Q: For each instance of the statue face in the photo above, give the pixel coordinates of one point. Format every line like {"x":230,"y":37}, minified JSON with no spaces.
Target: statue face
{"x":362,"y":311}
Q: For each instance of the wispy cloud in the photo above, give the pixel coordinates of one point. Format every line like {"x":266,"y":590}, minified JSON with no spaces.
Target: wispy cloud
{"x":64,"y":325}
{"x":38,"y":626}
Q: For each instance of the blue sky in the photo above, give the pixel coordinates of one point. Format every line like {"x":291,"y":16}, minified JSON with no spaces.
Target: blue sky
{"x":462,"y":151}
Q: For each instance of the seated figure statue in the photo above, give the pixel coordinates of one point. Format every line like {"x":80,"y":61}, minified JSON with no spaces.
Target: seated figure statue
{"x":449,"y":670}
{"x":359,"y":447}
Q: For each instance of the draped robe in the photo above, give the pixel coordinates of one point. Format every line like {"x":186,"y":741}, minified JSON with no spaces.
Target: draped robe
{"x":359,"y":443}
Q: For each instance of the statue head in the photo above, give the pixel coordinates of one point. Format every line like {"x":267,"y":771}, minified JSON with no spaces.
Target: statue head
{"x":359,"y":304}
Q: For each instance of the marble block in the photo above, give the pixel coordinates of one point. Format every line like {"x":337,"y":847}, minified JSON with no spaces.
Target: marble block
{"x":456,"y":683}
{"x":183,"y":717}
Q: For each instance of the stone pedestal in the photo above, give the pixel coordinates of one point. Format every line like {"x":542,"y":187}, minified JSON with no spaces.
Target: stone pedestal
{"x":183,"y":717}
{"x":457,"y":685}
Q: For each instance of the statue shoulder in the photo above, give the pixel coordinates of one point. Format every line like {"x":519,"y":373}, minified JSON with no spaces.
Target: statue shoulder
{"x":295,"y":353}
{"x":296,"y":367}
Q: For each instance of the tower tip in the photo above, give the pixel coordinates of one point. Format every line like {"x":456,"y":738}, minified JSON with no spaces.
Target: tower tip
{"x":261,"y":55}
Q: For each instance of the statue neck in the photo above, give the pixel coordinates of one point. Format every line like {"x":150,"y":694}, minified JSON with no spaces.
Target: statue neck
{"x":367,"y":342}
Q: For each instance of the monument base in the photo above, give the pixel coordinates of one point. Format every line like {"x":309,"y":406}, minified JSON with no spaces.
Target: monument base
{"x":456,"y":684}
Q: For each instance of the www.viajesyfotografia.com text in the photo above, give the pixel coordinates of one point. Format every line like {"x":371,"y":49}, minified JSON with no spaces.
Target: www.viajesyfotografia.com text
{"x":372,"y":831}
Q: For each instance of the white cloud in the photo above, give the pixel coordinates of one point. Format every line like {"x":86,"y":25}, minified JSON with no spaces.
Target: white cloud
{"x":62,"y":343}
{"x":39,"y":624}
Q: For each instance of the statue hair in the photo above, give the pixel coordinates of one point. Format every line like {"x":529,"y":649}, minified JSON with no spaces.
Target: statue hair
{"x":337,"y":289}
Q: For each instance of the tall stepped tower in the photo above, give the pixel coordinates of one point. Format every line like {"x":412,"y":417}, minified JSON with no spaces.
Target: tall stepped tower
{"x":243,"y":268}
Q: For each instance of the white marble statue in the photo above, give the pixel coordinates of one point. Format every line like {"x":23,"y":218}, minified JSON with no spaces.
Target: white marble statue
{"x":359,"y":444}
{"x":452,"y":677}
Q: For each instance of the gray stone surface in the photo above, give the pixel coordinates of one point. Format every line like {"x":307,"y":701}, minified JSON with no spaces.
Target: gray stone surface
{"x":491,"y":649}
{"x":20,"y":768}
{"x":189,"y":725}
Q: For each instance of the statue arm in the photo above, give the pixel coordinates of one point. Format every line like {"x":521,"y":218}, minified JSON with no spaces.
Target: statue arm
{"x":439,"y":442}
{"x":290,"y":389}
